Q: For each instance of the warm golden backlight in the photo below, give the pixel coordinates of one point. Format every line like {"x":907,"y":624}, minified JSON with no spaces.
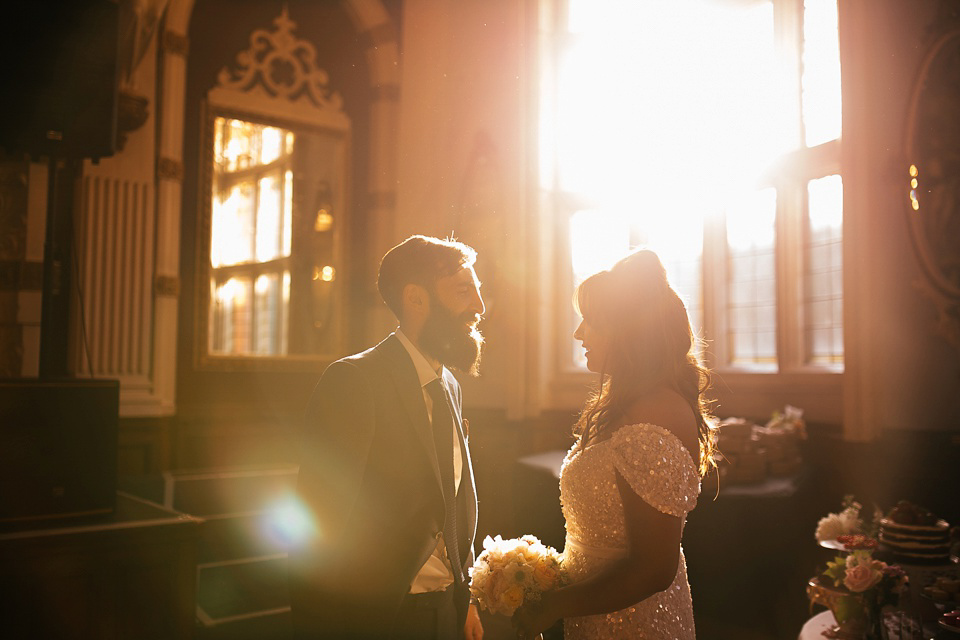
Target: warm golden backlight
{"x":324,"y":274}
{"x":323,"y":221}
{"x":668,"y":112}
{"x":250,"y":234}
{"x":914,"y":183}
{"x":252,"y":199}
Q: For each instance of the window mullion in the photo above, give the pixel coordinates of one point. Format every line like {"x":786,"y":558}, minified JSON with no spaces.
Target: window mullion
{"x":788,"y":26}
{"x":716,"y":277}
{"x":790,"y":235}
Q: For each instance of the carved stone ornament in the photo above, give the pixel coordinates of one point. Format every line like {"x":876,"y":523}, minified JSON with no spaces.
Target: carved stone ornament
{"x":283,"y":66}
{"x":175,"y":43}
{"x":167,"y":286}
{"x":132,"y":113}
{"x":169,"y":169}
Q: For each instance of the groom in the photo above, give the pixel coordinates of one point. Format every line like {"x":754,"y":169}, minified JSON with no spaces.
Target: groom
{"x":385,"y":469}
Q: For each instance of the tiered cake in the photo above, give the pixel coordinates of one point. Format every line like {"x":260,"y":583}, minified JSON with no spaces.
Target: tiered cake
{"x":914,"y":535}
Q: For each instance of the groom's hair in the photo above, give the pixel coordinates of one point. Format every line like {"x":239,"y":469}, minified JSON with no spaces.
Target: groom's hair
{"x":420,"y":260}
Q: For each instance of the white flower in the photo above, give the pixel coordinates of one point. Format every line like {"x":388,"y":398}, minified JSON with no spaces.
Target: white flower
{"x":519,"y":572}
{"x":835,"y":525}
{"x":829,"y":527}
{"x":851,"y":520}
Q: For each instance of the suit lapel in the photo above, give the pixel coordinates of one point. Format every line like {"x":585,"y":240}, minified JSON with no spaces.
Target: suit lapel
{"x":405,"y":378}
{"x":467,"y":491}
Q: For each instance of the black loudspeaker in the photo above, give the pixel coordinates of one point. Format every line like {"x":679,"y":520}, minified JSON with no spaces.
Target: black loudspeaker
{"x":61,"y":97}
{"x":58,"y":447}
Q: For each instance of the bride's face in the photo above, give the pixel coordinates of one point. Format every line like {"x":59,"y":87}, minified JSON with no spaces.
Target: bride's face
{"x":595,"y":345}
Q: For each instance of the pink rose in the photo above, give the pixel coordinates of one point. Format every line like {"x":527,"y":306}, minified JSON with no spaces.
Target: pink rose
{"x":861,"y":577}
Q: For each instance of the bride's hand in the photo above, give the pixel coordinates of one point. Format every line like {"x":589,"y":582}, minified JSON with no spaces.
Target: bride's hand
{"x":531,"y":620}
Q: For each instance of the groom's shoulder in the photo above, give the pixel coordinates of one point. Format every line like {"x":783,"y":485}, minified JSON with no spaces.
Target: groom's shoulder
{"x":373,"y":357}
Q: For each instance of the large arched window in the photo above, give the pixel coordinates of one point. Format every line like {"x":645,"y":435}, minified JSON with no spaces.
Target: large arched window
{"x":709,"y":131}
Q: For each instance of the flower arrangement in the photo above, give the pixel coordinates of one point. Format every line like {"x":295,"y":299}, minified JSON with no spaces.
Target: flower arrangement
{"x":860,"y":572}
{"x":864,"y":584}
{"x":790,"y":420}
{"x":508,"y":573}
{"x":847,"y":522}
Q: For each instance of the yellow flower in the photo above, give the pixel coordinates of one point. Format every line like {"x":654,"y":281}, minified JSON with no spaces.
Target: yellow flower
{"x":512,"y":597}
{"x":545,"y":576}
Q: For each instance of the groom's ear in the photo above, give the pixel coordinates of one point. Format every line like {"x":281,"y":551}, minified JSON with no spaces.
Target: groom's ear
{"x":416,"y":301}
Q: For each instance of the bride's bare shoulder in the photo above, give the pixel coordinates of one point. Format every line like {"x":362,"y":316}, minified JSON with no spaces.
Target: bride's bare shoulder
{"x":666,"y":408}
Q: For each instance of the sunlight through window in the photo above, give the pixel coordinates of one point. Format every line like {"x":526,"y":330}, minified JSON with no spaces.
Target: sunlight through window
{"x":250,"y":239}
{"x":821,"y":72}
{"x":683,"y":125}
{"x":674,"y":140}
{"x":751,"y":310}
{"x":824,"y":272}
{"x":598,"y":239}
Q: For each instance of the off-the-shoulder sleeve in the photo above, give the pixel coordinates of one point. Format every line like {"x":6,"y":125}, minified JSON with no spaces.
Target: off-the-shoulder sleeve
{"x":658,"y":467}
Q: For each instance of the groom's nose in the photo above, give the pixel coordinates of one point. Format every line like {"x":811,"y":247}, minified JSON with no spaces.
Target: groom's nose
{"x":476,"y":303}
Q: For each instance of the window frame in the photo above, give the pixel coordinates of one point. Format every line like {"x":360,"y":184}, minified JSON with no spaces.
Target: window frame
{"x":204,"y":358}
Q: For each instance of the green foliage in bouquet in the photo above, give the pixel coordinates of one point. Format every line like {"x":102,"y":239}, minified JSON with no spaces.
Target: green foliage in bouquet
{"x":871,"y":584}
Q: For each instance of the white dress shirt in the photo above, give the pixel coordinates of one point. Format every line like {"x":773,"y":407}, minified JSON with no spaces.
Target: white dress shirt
{"x":435,"y":574}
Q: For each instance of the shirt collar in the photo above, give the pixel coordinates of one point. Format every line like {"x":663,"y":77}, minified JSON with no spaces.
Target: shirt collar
{"x":425,"y":372}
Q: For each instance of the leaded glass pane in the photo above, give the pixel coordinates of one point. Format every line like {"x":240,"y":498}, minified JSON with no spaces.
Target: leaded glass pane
{"x":250,"y":235}
{"x":751,"y":301}
{"x":823,"y":272}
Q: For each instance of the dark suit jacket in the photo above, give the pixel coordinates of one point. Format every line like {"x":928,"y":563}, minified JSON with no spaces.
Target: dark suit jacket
{"x":369,"y":476}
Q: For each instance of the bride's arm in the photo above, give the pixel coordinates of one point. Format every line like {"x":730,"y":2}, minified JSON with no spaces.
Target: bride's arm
{"x":653,"y":539}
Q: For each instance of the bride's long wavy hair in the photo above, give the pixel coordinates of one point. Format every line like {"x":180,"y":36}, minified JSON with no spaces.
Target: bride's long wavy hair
{"x":650,"y":343}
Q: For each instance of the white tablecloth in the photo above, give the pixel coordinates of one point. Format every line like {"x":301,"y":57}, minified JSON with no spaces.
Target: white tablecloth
{"x":815,"y":626}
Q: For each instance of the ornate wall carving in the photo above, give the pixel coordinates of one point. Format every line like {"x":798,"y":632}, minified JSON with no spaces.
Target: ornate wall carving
{"x":283,"y":66}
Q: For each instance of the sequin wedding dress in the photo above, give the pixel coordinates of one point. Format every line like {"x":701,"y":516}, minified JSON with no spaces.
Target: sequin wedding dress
{"x":661,"y":471}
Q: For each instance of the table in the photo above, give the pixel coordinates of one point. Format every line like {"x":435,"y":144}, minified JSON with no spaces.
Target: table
{"x":128,"y":574}
{"x":814,"y":627}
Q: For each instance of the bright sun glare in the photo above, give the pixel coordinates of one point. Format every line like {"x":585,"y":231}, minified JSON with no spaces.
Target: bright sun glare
{"x":288,"y":523}
{"x":668,"y":112}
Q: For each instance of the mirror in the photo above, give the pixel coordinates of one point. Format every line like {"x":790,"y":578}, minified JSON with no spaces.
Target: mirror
{"x":273,"y":204}
{"x":933,"y":164}
{"x":269,"y":243}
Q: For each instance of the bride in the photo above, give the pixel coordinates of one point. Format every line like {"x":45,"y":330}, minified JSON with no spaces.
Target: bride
{"x":634,"y":472}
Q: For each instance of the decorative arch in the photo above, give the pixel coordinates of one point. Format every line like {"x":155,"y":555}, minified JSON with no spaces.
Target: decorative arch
{"x":374,"y":25}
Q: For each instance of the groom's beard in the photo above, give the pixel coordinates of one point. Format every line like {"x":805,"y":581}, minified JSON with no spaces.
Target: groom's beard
{"x":453,"y":340}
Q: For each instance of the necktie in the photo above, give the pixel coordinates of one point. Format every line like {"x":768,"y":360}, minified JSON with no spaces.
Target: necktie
{"x":443,"y":440}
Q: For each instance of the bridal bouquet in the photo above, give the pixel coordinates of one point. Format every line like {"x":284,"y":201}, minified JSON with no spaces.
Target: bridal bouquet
{"x":510,"y":572}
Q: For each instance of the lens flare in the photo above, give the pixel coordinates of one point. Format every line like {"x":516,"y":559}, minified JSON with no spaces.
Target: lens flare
{"x":288,"y":523}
